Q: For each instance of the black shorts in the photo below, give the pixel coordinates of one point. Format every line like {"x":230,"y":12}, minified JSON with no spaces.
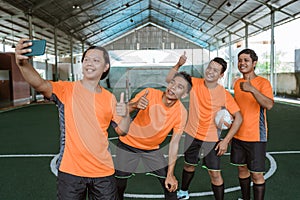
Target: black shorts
{"x":195,"y":150}
{"x":128,"y":159}
{"x":70,"y":187}
{"x":252,"y":154}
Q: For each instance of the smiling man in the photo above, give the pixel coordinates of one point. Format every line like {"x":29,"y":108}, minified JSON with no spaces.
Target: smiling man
{"x":254,"y":96}
{"x":158,"y":113}
{"x":202,"y":138}
{"x":85,"y":166}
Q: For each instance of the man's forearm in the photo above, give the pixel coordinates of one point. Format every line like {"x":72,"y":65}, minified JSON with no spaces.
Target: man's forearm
{"x":264,"y":101}
{"x":132,"y":106}
{"x":173,"y":151}
{"x":123,"y":126}
{"x":30,"y":75}
{"x":35,"y":80}
{"x":171,"y":74}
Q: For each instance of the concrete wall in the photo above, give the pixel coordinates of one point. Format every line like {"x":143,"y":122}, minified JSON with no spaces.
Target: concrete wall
{"x":288,"y":84}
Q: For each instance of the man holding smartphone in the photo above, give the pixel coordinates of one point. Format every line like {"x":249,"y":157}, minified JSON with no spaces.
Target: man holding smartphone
{"x":86,"y":109}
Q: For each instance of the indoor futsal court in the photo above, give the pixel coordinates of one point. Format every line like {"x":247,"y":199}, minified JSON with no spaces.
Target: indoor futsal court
{"x":30,"y":141}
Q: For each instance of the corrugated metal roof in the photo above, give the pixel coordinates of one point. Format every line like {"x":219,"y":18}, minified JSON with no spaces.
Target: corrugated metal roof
{"x":206,"y":23}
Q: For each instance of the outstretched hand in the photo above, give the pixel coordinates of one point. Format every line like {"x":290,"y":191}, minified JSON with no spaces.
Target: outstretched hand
{"x":122,"y":108}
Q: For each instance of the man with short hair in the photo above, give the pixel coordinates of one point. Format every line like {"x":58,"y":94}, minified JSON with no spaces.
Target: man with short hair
{"x":203,"y":139}
{"x":158,"y":113}
{"x":86,"y":109}
{"x":254,"y":96}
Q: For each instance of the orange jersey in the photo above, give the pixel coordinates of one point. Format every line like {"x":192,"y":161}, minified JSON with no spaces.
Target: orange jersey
{"x":204,"y":104}
{"x":254,"y":126}
{"x":151,"y":126}
{"x":84,"y":118}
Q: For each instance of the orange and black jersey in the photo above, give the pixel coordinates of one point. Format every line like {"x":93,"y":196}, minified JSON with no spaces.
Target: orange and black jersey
{"x":254,"y":126}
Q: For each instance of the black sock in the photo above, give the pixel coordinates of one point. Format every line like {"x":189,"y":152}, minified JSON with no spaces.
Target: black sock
{"x":186,"y":179}
{"x":121,"y":187}
{"x":245,"y":187}
{"x":259,"y":191}
{"x":218,"y":191}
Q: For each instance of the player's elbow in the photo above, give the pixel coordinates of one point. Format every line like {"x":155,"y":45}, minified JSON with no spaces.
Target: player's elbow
{"x":120,"y":132}
{"x":238,"y":118}
{"x":270,"y":105}
{"x":45,"y":88}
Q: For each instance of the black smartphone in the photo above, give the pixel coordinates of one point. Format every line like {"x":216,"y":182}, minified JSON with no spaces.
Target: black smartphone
{"x":37,"y":48}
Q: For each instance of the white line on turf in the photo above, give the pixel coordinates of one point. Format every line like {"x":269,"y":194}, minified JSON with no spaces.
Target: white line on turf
{"x":271,"y":171}
{"x":26,"y":155}
{"x":273,"y":167}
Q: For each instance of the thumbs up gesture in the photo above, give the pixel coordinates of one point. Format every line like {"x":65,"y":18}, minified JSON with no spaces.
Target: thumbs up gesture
{"x":182,"y":59}
{"x":122,"y":108}
{"x":143,"y":101}
{"x":246,"y":86}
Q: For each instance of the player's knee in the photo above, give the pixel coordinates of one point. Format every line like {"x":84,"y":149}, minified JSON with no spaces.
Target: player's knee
{"x":258,"y":178}
{"x":189,"y":168}
{"x":215,"y":177}
{"x":243,"y":171}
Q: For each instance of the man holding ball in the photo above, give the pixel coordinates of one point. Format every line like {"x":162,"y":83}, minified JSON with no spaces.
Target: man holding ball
{"x":207,"y":97}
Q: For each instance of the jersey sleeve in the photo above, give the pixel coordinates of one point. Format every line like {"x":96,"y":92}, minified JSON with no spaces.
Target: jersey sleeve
{"x":267,"y":89}
{"x":58,"y":90}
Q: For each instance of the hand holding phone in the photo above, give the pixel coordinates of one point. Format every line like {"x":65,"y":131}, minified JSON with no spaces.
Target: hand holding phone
{"x":37,"y":48}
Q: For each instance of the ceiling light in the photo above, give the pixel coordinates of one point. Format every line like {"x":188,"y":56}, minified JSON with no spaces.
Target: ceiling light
{"x":179,"y":5}
{"x":127,"y":5}
{"x":228,"y":4}
{"x":75,"y":7}
{"x":201,"y":29}
{"x":172,"y":20}
{"x":131,"y":20}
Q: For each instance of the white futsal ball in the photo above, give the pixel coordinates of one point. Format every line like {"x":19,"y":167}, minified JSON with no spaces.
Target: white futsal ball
{"x":223,"y":119}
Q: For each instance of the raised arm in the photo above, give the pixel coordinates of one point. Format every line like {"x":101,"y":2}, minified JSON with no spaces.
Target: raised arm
{"x":174,"y":70}
{"x":28,"y":71}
